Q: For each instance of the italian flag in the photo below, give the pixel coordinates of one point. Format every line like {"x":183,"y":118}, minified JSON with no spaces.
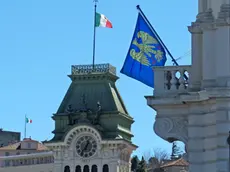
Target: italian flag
{"x":28,"y":120}
{"x":102,"y":21}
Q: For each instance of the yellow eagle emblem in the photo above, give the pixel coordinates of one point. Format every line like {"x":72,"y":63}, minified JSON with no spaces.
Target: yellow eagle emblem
{"x":146,"y":48}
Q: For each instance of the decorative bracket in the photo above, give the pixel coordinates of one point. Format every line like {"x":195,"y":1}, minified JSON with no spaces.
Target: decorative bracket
{"x":172,"y":129}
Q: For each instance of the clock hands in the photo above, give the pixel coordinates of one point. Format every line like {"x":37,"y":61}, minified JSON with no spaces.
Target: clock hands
{"x":85,"y":147}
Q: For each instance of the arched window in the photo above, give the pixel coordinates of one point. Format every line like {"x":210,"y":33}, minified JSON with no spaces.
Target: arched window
{"x":78,"y":168}
{"x":94,"y":168}
{"x":105,"y":168}
{"x":67,"y":169}
{"x":86,"y":168}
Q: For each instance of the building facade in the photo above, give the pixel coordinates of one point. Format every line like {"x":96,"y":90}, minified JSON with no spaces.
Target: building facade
{"x":92,"y":126}
{"x":92,"y":130}
{"x":195,"y":109}
{"x":24,"y":147}
{"x":26,"y":155}
{"x":179,"y":165}
{"x":34,"y":162}
{"x":9,"y":137}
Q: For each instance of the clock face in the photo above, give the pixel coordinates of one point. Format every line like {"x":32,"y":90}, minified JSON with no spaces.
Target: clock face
{"x":86,"y":146}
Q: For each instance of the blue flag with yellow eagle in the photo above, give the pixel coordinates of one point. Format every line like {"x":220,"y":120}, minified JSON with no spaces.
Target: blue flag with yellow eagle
{"x":144,"y":53}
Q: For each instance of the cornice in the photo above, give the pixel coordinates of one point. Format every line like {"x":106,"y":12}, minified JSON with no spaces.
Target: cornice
{"x":205,"y":17}
{"x":93,"y":77}
{"x":204,"y":21}
{"x":27,"y":156}
{"x":224,"y":15}
{"x":195,"y":28}
{"x":219,"y":92}
{"x":208,"y":26}
{"x":93,"y":72}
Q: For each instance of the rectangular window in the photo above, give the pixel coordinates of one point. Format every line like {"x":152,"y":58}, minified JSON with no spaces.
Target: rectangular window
{"x":29,"y":145}
{"x":7,"y":163}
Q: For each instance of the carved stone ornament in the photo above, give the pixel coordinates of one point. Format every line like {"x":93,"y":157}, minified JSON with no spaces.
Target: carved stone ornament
{"x":81,"y":115}
{"x":172,"y":129}
{"x":97,"y":116}
{"x":72,"y":136}
{"x":207,"y":16}
{"x":224,"y":15}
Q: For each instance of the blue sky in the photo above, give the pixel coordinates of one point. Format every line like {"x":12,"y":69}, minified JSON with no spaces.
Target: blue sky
{"x":40,"y":40}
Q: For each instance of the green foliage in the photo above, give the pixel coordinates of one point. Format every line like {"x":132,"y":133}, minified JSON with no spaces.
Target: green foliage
{"x":153,"y":162}
{"x":142,"y":167}
{"x":176,"y":151}
{"x":135,"y":161}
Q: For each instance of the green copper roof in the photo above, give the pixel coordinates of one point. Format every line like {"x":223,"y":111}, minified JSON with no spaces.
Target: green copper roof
{"x":91,"y":86}
{"x":93,"y":91}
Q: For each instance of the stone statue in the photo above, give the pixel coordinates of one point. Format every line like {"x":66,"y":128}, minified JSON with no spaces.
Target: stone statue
{"x":83,"y":117}
{"x":98,"y":113}
{"x":70,"y":111}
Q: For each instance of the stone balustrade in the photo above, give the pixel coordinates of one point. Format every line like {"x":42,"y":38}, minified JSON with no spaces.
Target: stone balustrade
{"x":97,"y":68}
{"x":27,"y":159}
{"x":171,"y":80}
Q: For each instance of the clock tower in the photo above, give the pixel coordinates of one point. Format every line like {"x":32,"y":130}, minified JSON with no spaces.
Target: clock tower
{"x":92,"y":126}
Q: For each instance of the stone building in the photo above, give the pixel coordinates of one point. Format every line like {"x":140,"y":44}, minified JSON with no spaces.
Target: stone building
{"x":7,"y":137}
{"x":34,"y":162}
{"x":26,"y":155}
{"x":179,"y":165}
{"x":92,"y":126}
{"x":196,"y":109}
{"x":92,"y":130}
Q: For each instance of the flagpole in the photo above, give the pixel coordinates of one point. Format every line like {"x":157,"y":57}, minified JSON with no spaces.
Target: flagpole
{"x":161,"y":42}
{"x":25,"y":128}
{"x":94,"y":32}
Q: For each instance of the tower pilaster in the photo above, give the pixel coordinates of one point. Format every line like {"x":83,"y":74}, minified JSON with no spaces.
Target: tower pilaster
{"x":208,"y":57}
{"x":222,"y":46}
{"x":197,"y":47}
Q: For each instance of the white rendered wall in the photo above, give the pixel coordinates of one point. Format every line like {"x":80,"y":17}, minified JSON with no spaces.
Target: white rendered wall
{"x":31,"y":168}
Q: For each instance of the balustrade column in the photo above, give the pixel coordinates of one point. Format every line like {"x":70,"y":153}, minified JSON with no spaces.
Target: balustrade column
{"x":182,"y":81}
{"x":174,"y":80}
